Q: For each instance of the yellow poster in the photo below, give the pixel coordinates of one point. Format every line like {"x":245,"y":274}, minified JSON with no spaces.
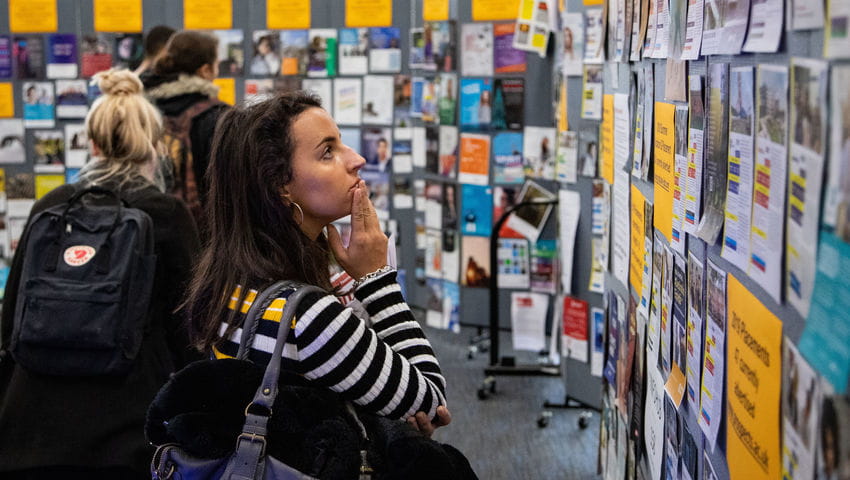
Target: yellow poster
{"x":45,"y":183}
{"x":435,"y":10}
{"x":7,"y":101}
{"x":282,"y":14}
{"x":563,"y":120}
{"x":664,"y":170}
{"x":368,"y":13}
{"x":118,"y":15}
{"x":606,"y":139}
{"x":2,"y":179}
{"x":226,"y":90}
{"x":594,"y":2}
{"x":637,"y":250}
{"x":207,"y":14}
{"x":485,"y":10}
{"x":33,"y":16}
{"x":754,"y":366}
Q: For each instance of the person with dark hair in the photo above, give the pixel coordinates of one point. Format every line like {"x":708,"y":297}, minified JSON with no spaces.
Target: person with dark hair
{"x":279,"y":175}
{"x":74,"y":427}
{"x":180,"y":85}
{"x":155,"y":41}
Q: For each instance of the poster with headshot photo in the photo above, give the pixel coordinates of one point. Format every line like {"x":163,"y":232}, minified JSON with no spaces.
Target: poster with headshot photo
{"x":588,"y":152}
{"x":231,"y":52}
{"x":38,"y":104}
{"x":129,"y":50}
{"x":12,"y":149}
{"x":95,"y":53}
{"x":76,"y":145}
{"x":71,"y":99}
{"x":834,"y":442}
{"x":376,"y":148}
{"x":321,"y":52}
{"x":448,"y":151}
{"x":446,"y":85}
{"x":28,"y":54}
{"x":265,"y":60}
{"x":48,"y":151}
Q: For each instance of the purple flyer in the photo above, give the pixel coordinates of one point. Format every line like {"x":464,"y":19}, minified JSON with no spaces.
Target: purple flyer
{"x":5,"y":56}
{"x":62,"y":56}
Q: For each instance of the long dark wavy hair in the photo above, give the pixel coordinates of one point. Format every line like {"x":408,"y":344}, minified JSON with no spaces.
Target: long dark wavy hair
{"x":254,"y":238}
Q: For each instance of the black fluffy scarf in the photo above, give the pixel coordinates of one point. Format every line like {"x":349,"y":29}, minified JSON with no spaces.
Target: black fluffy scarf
{"x":202,"y":409}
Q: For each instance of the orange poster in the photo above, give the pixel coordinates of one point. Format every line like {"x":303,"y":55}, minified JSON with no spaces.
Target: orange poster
{"x":7,"y":100}
{"x":754,"y":366}
{"x":368,"y":13}
{"x":474,"y":164}
{"x":226,"y":90}
{"x":484,"y":10}
{"x":435,"y":10}
{"x":207,"y":14}
{"x":606,"y":139}
{"x":118,"y":16}
{"x":33,"y":16}
{"x":637,"y":250}
{"x":287,"y":14}
{"x":665,"y":120}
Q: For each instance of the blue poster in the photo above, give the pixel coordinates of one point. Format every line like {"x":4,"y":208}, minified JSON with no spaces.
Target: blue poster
{"x":5,"y":56}
{"x":451,"y":298}
{"x":476,"y":210}
{"x":62,"y":55}
{"x":475,"y":102}
{"x":826,"y":338}
{"x":507,"y":158}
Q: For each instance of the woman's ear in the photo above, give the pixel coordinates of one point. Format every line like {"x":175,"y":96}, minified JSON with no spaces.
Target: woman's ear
{"x":284,"y":195}
{"x":206,"y":71}
{"x":95,"y":152}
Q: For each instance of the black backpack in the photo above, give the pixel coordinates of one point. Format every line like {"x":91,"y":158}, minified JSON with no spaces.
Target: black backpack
{"x":85,"y":287}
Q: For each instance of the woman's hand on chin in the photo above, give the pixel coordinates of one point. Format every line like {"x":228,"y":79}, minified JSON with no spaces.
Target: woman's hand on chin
{"x":367,"y":249}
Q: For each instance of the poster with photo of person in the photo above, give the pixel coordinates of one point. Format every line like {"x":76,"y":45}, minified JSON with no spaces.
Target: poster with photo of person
{"x":28,"y":54}
{"x":402,"y":90}
{"x":265,"y":60}
{"x":384,"y":50}
{"x":321,"y":52}
{"x":39,"y":109}
{"x":440,"y":46}
{"x":231,"y":52}
{"x":376,"y":148}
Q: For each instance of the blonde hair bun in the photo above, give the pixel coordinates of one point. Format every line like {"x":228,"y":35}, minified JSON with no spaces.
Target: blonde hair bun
{"x":118,"y":82}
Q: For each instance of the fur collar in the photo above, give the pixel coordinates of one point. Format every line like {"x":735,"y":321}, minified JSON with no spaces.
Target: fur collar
{"x":183,"y":85}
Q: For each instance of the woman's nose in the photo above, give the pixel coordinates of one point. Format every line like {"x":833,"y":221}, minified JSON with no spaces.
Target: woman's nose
{"x":354,"y":160}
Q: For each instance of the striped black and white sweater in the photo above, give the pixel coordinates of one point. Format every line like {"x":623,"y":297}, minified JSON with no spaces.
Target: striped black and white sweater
{"x":387,"y":366}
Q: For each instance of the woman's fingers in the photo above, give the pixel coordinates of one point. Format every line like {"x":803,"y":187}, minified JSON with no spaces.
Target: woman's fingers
{"x":443,"y":417}
{"x":335,"y":242}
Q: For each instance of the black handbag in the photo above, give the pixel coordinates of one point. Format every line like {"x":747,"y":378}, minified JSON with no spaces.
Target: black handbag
{"x":249,"y":460}
{"x":313,"y":433}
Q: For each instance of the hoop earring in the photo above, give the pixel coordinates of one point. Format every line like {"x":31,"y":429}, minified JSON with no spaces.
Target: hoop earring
{"x":301,"y":212}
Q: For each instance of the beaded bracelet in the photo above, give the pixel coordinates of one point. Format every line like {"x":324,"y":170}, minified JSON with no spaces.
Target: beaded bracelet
{"x":369,"y":276}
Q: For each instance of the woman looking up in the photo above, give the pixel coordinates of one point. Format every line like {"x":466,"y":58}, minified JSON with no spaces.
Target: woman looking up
{"x":279,"y":175}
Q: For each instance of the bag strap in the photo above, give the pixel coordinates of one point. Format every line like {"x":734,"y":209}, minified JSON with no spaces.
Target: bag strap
{"x":247,"y":461}
{"x":252,"y":318}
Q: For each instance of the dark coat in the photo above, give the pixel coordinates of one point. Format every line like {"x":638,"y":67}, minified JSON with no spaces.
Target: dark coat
{"x":97,"y":422}
{"x":174,"y":94}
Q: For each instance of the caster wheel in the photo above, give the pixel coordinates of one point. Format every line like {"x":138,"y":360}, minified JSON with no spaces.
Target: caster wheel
{"x":583,"y":420}
{"x":483,"y":393}
{"x":543,"y":419}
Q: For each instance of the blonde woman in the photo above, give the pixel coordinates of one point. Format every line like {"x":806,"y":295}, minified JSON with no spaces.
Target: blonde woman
{"x":92,"y":427}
